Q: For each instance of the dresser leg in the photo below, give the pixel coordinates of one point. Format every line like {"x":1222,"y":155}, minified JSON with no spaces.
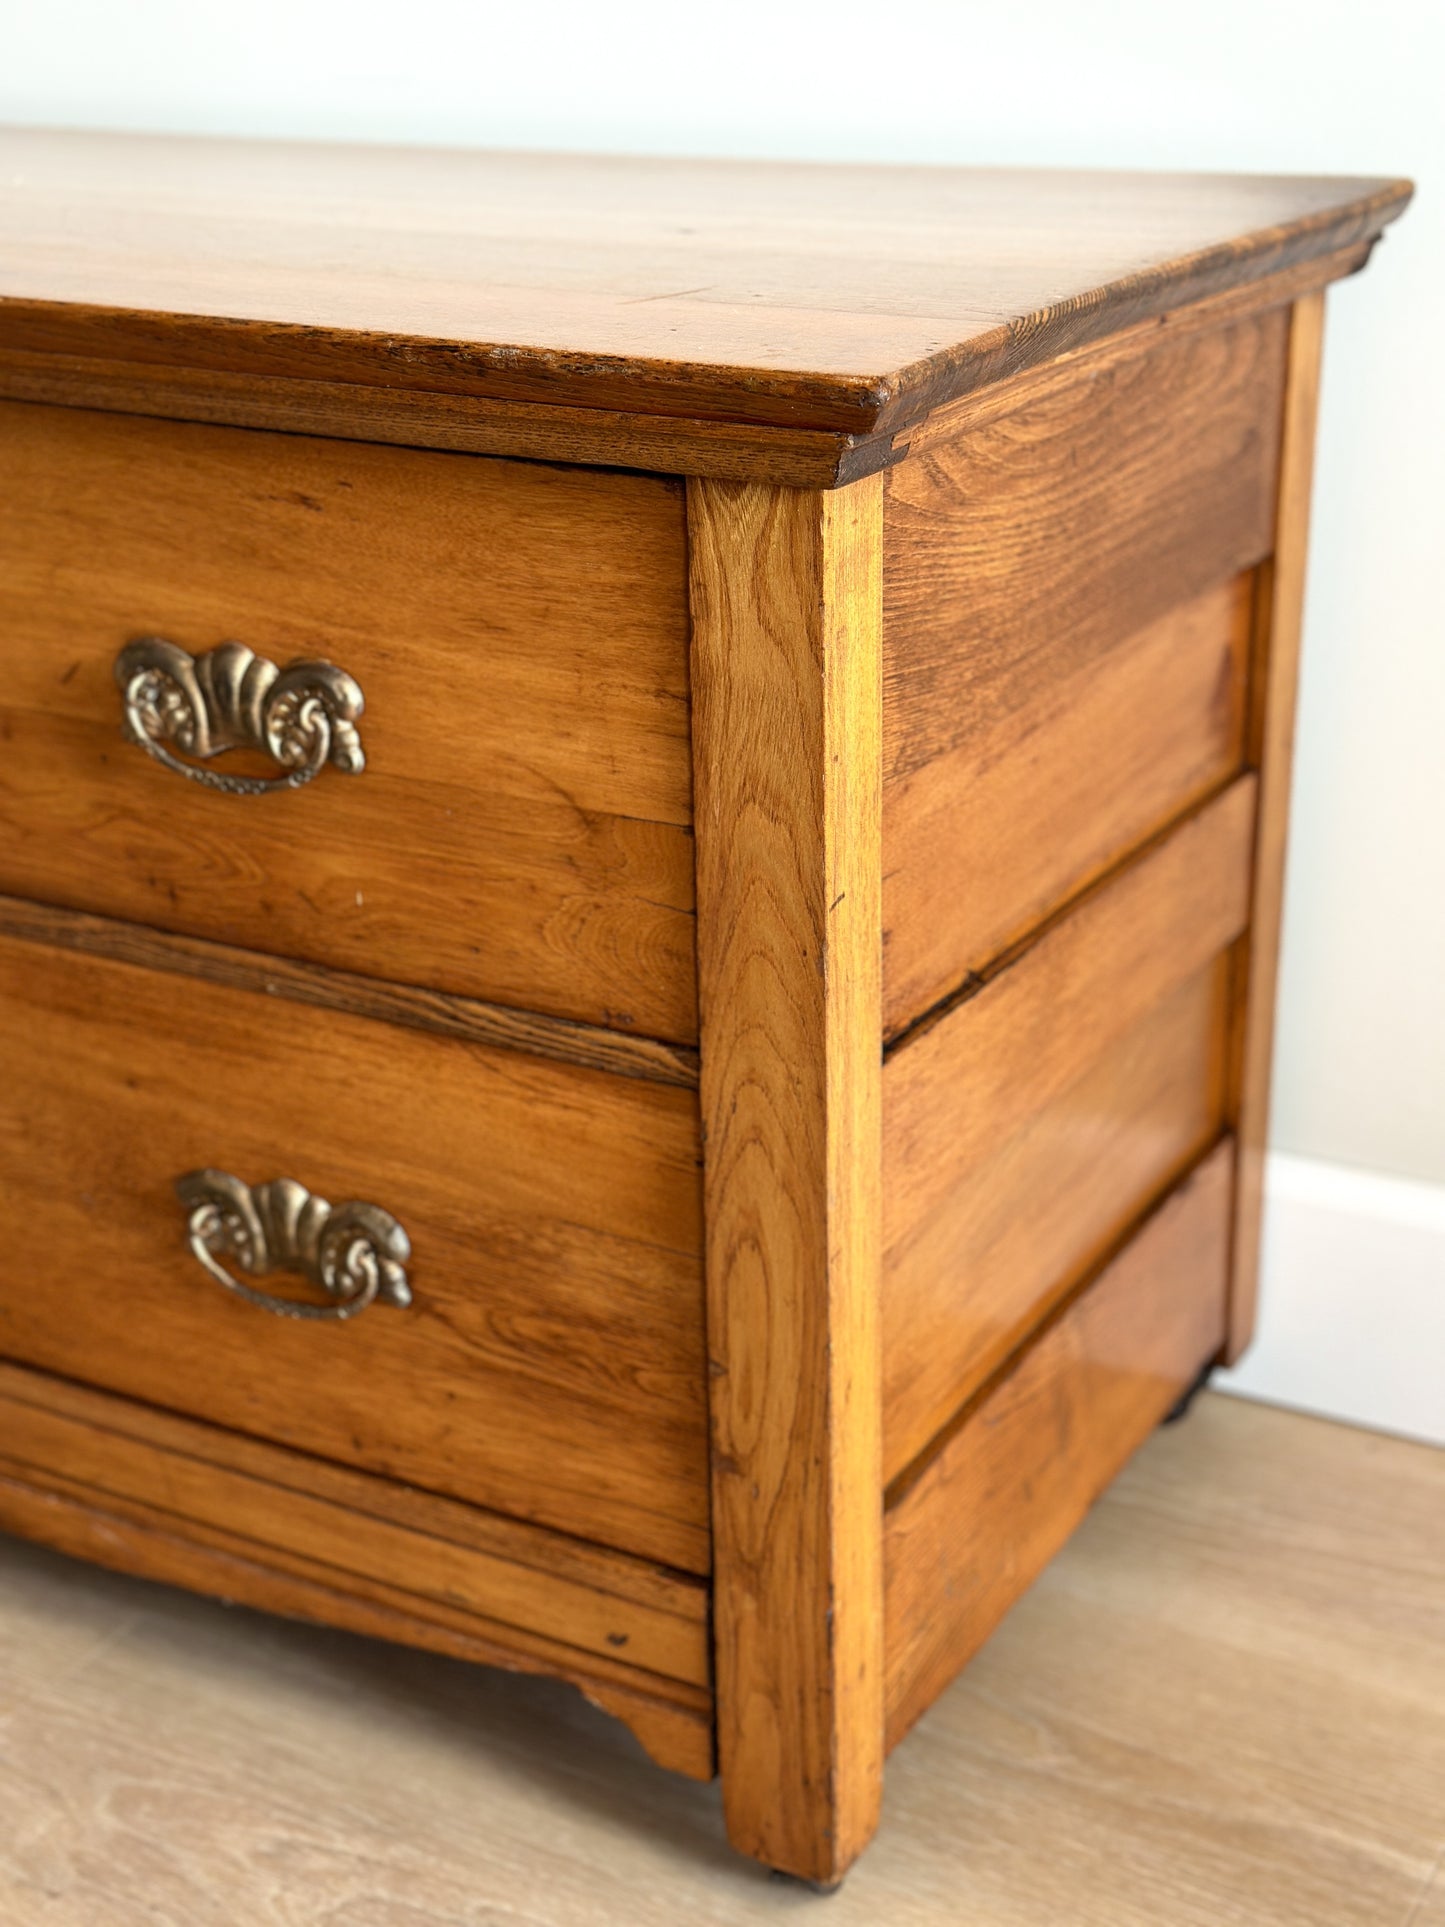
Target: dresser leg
{"x":1181,"y":1406}
{"x":786,"y":688}
{"x":823,"y":1887}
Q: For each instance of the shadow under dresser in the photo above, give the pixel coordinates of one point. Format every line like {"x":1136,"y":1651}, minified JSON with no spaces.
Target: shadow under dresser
{"x":641,"y":834}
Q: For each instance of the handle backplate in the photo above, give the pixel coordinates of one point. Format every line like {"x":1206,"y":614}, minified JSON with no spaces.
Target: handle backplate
{"x":302,"y":716}
{"x":355,"y":1254}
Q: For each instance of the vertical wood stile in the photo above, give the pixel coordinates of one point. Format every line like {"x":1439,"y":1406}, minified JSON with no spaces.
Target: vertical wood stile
{"x":1272,"y":714}
{"x":786,"y":690}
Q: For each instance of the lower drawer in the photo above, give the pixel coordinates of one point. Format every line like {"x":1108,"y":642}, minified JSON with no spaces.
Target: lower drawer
{"x":979,"y":1516}
{"x":550,"y":1362}
{"x":103,"y":1478}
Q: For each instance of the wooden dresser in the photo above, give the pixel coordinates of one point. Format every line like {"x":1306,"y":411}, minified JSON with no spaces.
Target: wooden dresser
{"x":642,"y":810}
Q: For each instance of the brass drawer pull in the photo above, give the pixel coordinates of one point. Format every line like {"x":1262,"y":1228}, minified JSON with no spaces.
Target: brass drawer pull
{"x":303,"y":716}
{"x":355,"y":1253}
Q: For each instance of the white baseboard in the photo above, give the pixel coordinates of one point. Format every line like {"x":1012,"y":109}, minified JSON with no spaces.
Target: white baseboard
{"x":1352,"y":1299}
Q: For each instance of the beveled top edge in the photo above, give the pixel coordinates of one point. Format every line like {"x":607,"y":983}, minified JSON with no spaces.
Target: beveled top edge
{"x":798,"y":295}
{"x":1025,"y":341}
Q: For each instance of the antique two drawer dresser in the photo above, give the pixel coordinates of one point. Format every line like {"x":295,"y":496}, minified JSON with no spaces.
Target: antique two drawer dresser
{"x":641,"y":823}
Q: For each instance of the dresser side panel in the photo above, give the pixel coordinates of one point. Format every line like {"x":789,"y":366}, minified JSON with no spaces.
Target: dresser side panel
{"x":1005,"y":1485}
{"x":1068,"y":613}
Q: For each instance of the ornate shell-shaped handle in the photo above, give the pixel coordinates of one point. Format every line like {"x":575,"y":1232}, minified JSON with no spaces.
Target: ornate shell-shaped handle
{"x":355,"y":1253}
{"x":303,"y":716}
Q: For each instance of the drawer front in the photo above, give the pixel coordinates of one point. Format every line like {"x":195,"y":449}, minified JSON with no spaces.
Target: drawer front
{"x":1068,"y":616}
{"x":1025,"y":1131}
{"x":550,"y":1364}
{"x":521,"y":829}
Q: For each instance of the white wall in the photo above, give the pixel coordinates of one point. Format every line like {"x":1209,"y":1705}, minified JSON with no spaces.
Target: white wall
{"x":1310,"y":85}
{"x":1352,"y":1320}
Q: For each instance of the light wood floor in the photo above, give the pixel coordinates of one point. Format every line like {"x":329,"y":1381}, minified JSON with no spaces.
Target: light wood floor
{"x":1225,"y":1703}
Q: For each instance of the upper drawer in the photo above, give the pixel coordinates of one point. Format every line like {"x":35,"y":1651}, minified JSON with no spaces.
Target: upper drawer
{"x":550,"y":1363}
{"x":1068,"y":627}
{"x":521,"y":830}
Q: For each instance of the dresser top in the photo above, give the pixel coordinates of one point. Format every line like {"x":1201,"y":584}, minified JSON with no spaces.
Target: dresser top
{"x":833,"y":298}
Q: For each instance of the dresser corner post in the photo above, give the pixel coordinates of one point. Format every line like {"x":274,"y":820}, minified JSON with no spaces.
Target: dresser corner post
{"x":786,"y":597}
{"x":1274,"y":683}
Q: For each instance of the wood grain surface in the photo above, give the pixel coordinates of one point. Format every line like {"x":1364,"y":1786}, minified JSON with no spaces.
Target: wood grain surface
{"x":432,"y":1010}
{"x":1109,"y":1031}
{"x":672,"y":1722}
{"x":1066,"y":638}
{"x":436,"y":1546}
{"x":551,"y":1365}
{"x":521,"y":831}
{"x":983,"y":842}
{"x":786,"y":672}
{"x":130,"y":1486}
{"x":849,"y":298}
{"x":1271,"y":747}
{"x":977,"y":1519}
{"x":798,"y":457}
{"x":977,"y":1249}
{"x":1222,"y":1701}
{"x":1034,"y":543}
{"x":959,"y":1087}
{"x":1074,"y":366}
